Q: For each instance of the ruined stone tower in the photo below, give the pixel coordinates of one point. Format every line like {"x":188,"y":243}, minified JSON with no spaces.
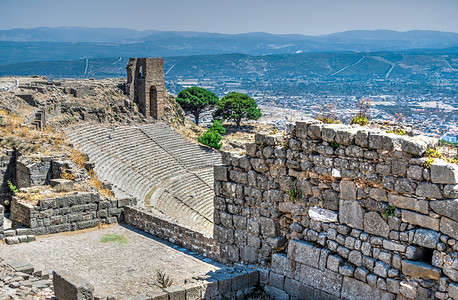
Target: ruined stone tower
{"x":145,"y":85}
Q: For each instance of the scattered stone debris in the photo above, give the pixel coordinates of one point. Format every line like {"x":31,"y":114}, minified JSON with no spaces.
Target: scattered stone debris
{"x":21,"y":281}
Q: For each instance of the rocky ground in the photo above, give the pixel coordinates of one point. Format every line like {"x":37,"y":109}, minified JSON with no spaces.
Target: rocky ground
{"x":19,"y":280}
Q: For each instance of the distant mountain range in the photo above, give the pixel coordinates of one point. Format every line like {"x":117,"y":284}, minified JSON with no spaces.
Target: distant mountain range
{"x":419,"y":65}
{"x":72,"y":43}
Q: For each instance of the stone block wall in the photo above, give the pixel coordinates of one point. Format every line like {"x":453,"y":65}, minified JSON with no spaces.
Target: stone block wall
{"x":341,"y":211}
{"x":33,"y":173}
{"x":171,"y":232}
{"x":7,"y":172}
{"x":67,"y":213}
{"x":2,"y":228}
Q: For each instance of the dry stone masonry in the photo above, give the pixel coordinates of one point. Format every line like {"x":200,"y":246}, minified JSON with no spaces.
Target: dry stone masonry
{"x":79,"y":210}
{"x":339,"y":211}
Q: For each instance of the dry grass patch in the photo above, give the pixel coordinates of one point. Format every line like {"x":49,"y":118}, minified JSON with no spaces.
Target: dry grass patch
{"x":95,"y":182}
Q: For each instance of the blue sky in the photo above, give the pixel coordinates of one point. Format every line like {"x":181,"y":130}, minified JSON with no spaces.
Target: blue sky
{"x":234,"y":16}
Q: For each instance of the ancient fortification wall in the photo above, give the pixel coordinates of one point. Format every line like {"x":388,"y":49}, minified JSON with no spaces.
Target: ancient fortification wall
{"x":340,"y":211}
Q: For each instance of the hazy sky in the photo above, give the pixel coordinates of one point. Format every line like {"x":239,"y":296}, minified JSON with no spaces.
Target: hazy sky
{"x":312,"y":17}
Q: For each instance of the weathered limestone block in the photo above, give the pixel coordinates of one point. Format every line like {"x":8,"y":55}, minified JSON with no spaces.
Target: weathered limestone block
{"x":399,"y":167}
{"x":301,"y":129}
{"x":304,"y":252}
{"x":322,"y":214}
{"x":415,"y":145}
{"x":408,"y":289}
{"x":269,"y":227}
{"x":314,"y":131}
{"x":249,"y":254}
{"x":281,"y":264}
{"x":381,"y":269}
{"x":346,"y":136}
{"x":378,"y":194}
{"x":239,"y":177}
{"x":362,"y":138}
{"x":453,"y":290}
{"x":374,"y":224}
{"x":327,"y":281}
{"x":276,"y":293}
{"x":229,"y":189}
{"x":404,"y":185}
{"x":353,"y":289}
{"x":408,"y":203}
{"x":393,"y":246}
{"x":296,"y":289}
{"x":414,"y":253}
{"x":220,"y":173}
{"x":351,"y":213}
{"x":347,"y":190}
{"x":449,"y":227}
{"x":274,"y":139}
{"x":61,"y":185}
{"x":428,"y":190}
{"x":415,"y":172}
{"x":418,"y":269}
{"x":261,"y":137}
{"x":448,"y":208}
{"x":328,"y":132}
{"x":444,"y":172}
{"x":380,"y":140}
{"x":354,"y":151}
{"x":71,"y":287}
{"x":426,"y":238}
{"x":229,"y":252}
{"x":259,"y":165}
{"x":419,"y":219}
{"x":451,"y":191}
{"x":330,"y":199}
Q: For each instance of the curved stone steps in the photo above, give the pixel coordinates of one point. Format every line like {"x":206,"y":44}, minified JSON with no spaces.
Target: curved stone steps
{"x":137,"y":160}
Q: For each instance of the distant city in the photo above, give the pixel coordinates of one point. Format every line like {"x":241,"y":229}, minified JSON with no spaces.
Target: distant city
{"x":430,"y":108}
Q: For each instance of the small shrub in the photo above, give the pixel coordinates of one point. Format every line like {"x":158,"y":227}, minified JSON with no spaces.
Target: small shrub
{"x":360,"y":120}
{"x":285,"y":144}
{"x":162,"y":279}
{"x":294,"y":194}
{"x":432,"y":153}
{"x":335,"y":145}
{"x":397,"y":131}
{"x":389,"y":211}
{"x":428,"y":162}
{"x":328,"y":120}
{"x":218,"y":127}
{"x":453,"y":160}
{"x":12,"y":187}
{"x":211,"y":138}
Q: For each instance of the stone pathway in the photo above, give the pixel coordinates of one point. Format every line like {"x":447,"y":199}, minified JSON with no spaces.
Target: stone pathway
{"x":122,"y":270}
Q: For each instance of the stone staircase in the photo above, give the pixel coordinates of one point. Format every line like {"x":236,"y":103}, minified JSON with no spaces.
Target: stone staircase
{"x":154,"y":161}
